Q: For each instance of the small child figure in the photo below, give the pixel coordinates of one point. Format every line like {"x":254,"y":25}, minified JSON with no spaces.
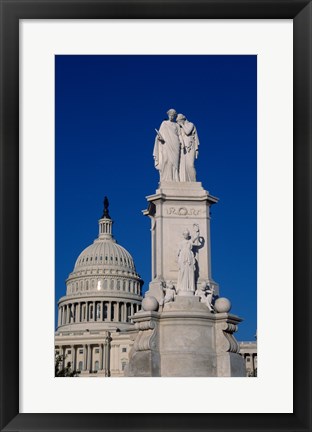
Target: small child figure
{"x":206,"y":295}
{"x":169,"y":291}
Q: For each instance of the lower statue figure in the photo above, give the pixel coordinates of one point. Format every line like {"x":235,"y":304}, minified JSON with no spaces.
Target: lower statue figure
{"x":169,"y":293}
{"x":186,"y":262}
{"x":206,"y":294}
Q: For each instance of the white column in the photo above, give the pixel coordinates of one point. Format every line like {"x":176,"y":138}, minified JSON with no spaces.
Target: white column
{"x":117,"y":355}
{"x":89,"y":366}
{"x":59,"y":316}
{"x":102,"y":310}
{"x":106,"y":355}
{"x":79,"y":312}
{"x":73,"y":348}
{"x":85,"y":357}
{"x":63,"y":354}
{"x":101,"y":367}
{"x":94,"y":312}
{"x":109,"y":311}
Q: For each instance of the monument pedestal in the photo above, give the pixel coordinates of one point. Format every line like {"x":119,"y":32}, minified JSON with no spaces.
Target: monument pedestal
{"x":185,"y":340}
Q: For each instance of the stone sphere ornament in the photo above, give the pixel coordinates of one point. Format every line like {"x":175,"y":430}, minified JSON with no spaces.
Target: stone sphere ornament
{"x":222,"y":305}
{"x":149,"y":304}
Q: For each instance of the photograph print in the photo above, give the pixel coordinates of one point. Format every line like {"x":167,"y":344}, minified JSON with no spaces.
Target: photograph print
{"x":155,"y":216}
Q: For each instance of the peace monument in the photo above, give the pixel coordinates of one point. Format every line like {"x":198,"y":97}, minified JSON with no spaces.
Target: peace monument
{"x":184,"y":327}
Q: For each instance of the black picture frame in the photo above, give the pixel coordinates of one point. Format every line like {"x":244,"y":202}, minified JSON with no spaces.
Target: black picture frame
{"x":11,"y":12}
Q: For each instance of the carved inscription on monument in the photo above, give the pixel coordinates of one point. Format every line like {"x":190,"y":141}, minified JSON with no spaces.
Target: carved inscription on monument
{"x":182,"y":211}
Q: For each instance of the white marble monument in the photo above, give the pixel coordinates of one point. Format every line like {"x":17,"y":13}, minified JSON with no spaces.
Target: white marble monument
{"x":185,"y":328}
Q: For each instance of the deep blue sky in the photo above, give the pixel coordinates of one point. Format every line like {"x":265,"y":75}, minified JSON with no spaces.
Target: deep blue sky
{"x":106,"y":110}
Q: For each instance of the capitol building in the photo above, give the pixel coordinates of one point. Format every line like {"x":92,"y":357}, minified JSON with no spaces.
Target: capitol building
{"x":94,"y":330}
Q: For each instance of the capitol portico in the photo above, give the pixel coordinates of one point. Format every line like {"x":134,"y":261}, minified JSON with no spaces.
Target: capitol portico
{"x":95,"y":331}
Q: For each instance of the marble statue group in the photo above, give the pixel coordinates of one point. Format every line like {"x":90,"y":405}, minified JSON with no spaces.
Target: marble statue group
{"x":176,"y":148}
{"x":175,"y":151}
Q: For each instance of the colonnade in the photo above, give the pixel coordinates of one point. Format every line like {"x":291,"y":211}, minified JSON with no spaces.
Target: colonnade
{"x":95,"y":310}
{"x":86,"y":362}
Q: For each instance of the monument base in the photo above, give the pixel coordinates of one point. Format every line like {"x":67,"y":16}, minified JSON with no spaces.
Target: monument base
{"x":185,"y":340}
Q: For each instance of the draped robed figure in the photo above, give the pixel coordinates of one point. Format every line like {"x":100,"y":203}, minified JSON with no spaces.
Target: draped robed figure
{"x":186,"y":262}
{"x":167,"y":149}
{"x":189,"y":152}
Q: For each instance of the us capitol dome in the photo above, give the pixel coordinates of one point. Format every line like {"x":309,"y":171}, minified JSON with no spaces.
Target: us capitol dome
{"x":95,"y":330}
